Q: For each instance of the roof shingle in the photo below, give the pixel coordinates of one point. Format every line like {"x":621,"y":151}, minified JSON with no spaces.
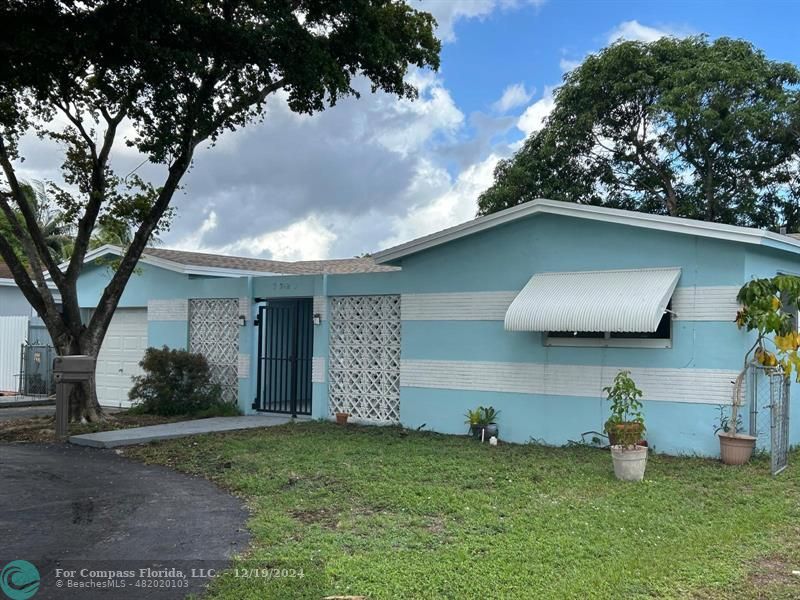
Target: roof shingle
{"x":303,"y":267}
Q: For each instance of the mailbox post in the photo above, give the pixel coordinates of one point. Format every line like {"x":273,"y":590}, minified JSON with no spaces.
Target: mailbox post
{"x":67,"y":371}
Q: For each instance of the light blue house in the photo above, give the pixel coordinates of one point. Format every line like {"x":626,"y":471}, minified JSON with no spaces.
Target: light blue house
{"x":532,"y":310}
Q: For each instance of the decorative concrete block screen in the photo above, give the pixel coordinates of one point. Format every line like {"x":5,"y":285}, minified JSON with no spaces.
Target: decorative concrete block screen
{"x":214,"y":333}
{"x":364,"y":348}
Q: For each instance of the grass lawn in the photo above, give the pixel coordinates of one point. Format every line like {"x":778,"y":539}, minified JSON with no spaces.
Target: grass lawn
{"x":386,"y":513}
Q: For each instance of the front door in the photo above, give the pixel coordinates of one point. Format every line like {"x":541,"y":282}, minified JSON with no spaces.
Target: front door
{"x":285,"y":344}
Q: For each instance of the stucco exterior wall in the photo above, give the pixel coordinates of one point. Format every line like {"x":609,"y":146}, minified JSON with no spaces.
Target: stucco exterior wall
{"x":13,"y":303}
{"x":461,"y":357}
{"x":456,"y":354}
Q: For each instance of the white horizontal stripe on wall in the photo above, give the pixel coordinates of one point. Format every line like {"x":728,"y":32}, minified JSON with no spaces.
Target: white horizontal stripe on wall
{"x":244,"y":307}
{"x":711,"y":303}
{"x":319,"y":306}
{"x":458,"y":306}
{"x":702,"y":386}
{"x":243,"y":365}
{"x":168,"y":310}
{"x":318,"y":369}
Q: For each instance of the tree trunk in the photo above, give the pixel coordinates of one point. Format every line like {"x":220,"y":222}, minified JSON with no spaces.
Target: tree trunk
{"x":84,"y":406}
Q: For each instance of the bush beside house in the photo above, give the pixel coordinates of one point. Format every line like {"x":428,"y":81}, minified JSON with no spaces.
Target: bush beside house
{"x":177,"y":382}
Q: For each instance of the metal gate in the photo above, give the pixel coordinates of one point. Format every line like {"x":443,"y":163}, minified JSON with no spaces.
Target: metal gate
{"x":364,"y":370}
{"x":214,"y":333}
{"x":770,"y":389}
{"x":285,"y":346}
{"x":36,"y":366}
{"x":779,"y":421}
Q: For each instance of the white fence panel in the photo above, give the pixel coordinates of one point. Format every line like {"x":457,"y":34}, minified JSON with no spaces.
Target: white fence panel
{"x":13,"y":333}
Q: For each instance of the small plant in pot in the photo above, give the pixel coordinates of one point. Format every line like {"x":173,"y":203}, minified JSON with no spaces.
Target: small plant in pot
{"x":764,"y":310}
{"x":482,"y":422}
{"x":625,"y":428}
{"x":735,"y":447}
{"x":341,"y":417}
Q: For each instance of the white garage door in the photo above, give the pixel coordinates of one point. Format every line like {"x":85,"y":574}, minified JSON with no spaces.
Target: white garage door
{"x":118,"y":361}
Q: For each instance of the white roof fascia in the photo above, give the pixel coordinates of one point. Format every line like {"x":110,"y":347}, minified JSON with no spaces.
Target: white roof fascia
{"x":596,"y":213}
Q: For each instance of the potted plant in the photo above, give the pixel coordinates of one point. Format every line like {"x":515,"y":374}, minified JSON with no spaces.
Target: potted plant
{"x":473,"y":420}
{"x":482,"y":422}
{"x":341,"y":417}
{"x":626,"y":424}
{"x":764,"y":309}
{"x":735,"y":448}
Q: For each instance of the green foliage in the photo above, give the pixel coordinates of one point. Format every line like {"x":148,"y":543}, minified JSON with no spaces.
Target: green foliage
{"x":210,"y":66}
{"x":482,"y":416}
{"x":165,"y":78}
{"x":724,"y":422}
{"x":626,"y":408}
{"x":473,"y":417}
{"x":769,"y":307}
{"x":685,"y":127}
{"x":57,"y":230}
{"x":387,"y":513}
{"x":176,"y":382}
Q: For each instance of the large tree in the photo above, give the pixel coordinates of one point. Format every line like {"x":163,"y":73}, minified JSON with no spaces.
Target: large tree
{"x":684,"y":127}
{"x":176,"y":75}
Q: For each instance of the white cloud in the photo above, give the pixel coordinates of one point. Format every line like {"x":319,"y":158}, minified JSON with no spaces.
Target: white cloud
{"x":635,"y":31}
{"x":307,"y":239}
{"x":533,"y":118}
{"x":406,"y":125}
{"x":567,"y":64}
{"x":456,"y":204}
{"x":513,"y":96}
{"x":448,"y":12}
{"x":193,"y":240}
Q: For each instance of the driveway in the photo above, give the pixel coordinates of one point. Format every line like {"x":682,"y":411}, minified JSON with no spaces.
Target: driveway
{"x":12,"y":413}
{"x":103,"y":516}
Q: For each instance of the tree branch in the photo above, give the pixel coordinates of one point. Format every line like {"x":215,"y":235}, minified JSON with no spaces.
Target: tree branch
{"x":244,"y":103}
{"x":96,"y":195}
{"x":78,"y":124}
{"x":34,"y":233}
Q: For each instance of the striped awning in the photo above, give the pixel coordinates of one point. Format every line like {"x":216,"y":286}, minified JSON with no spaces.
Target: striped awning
{"x":617,"y":301}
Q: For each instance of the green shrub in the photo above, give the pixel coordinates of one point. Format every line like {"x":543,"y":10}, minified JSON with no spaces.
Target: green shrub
{"x":177,"y":382}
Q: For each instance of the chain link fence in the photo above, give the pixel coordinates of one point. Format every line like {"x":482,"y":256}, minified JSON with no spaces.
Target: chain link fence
{"x":769,"y":398}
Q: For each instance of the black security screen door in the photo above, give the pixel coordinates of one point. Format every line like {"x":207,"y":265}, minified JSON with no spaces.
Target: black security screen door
{"x":285,"y":344}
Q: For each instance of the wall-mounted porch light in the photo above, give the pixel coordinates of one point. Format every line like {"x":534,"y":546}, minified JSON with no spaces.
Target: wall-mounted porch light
{"x":317,"y":319}
{"x":242,"y":320}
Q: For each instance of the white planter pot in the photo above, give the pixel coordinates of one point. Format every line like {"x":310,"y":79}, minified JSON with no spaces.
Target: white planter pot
{"x":629,"y":463}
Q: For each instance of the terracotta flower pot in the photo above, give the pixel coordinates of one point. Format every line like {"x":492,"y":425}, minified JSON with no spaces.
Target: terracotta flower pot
{"x":341,"y":418}
{"x":614,"y":431}
{"x":736,"y":449}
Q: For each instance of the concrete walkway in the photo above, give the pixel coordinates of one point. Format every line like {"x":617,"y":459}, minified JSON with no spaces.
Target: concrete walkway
{"x":22,"y":401}
{"x":142,"y":435}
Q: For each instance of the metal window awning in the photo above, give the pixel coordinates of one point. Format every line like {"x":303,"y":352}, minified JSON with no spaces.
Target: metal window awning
{"x":616,"y":301}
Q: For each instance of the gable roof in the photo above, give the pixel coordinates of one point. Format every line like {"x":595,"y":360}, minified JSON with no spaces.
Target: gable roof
{"x":747,"y":235}
{"x":199,"y":263}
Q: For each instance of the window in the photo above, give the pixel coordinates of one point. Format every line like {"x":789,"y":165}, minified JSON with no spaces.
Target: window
{"x":660,"y":338}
